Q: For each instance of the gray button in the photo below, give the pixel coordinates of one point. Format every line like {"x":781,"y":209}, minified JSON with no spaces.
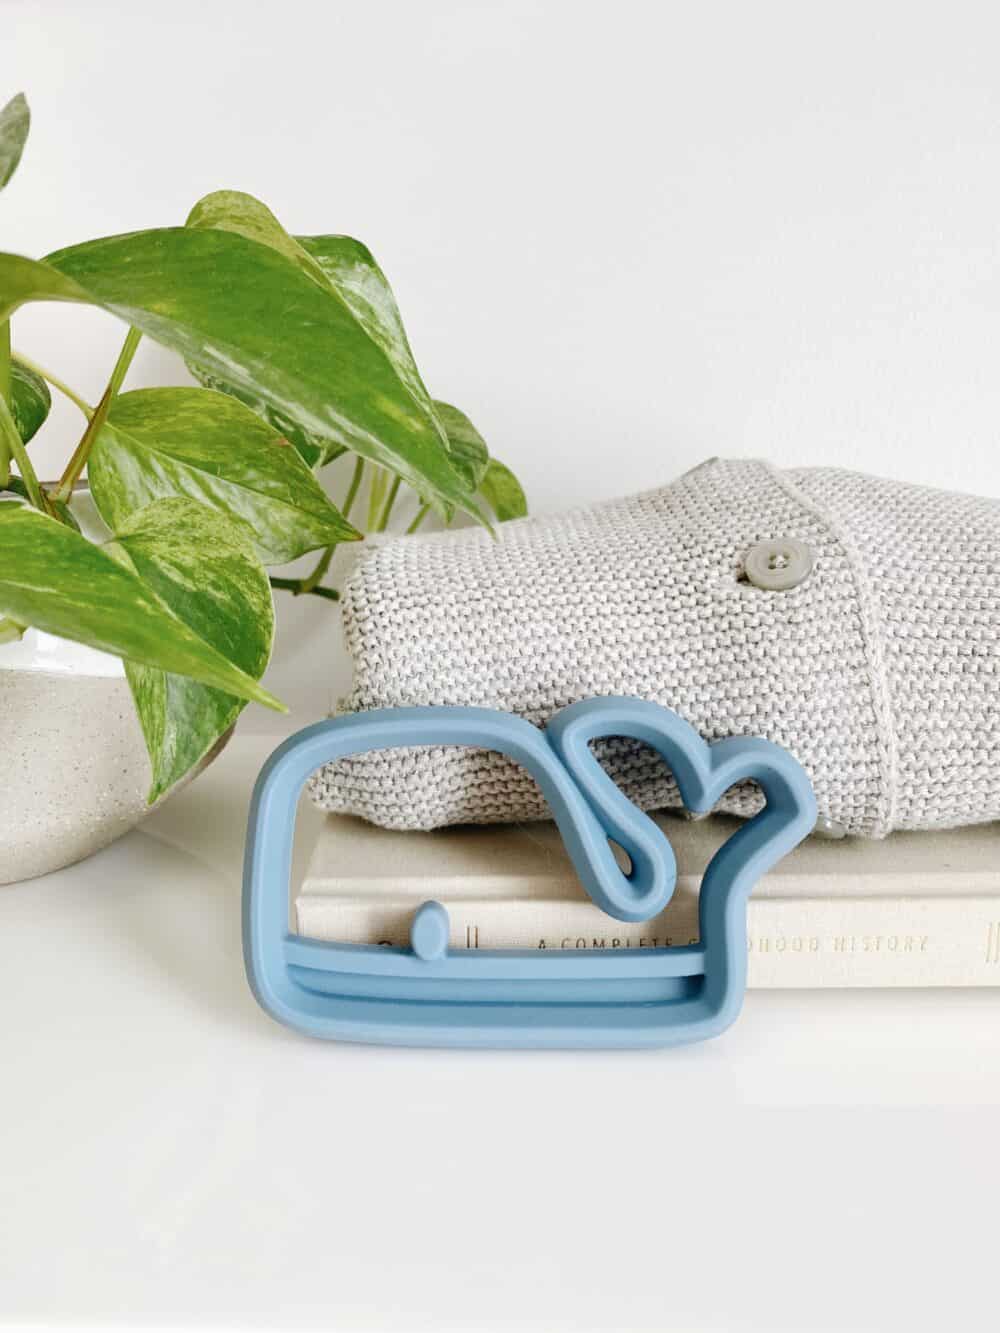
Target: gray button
{"x":776,"y":566}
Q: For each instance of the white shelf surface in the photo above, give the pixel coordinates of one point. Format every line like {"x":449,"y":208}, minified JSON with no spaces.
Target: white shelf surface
{"x":170,"y":1157}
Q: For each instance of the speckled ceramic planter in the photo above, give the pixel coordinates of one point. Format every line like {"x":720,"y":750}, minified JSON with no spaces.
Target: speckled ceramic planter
{"x":74,"y":772}
{"x":73,"y":763}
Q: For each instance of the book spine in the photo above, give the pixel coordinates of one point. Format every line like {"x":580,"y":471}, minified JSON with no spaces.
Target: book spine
{"x":793,"y":942}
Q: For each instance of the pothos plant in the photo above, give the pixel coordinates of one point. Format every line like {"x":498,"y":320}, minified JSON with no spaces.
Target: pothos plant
{"x":300,"y":356}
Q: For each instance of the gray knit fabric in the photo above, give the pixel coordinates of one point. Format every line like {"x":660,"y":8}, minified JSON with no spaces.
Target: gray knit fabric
{"x":880,"y":672}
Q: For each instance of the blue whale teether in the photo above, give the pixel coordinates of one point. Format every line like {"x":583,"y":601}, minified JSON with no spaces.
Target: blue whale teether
{"x":427,"y":995}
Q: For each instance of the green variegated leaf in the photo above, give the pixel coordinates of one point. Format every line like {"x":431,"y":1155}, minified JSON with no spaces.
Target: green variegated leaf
{"x":502,"y":492}
{"x":30,"y":399}
{"x":55,"y":580}
{"x":340,"y":266}
{"x":15,"y":121}
{"x":230,"y":210}
{"x":159,"y":443}
{"x":23,"y":280}
{"x":202,"y":566}
{"x":316,"y":451}
{"x":351,"y":271}
{"x":469,"y":454}
{"x":250,"y":317}
{"x":233,"y":210}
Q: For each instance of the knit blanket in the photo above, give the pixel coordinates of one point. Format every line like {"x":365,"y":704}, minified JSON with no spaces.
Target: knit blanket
{"x":879,"y":670}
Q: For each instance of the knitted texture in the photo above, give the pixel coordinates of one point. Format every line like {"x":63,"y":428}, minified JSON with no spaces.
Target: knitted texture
{"x":880,"y":672}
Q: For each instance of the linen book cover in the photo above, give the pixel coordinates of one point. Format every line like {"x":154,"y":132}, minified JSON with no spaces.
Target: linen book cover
{"x":915,"y":909}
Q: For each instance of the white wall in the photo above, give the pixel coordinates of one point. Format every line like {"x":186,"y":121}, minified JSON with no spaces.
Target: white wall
{"x":624,"y":237}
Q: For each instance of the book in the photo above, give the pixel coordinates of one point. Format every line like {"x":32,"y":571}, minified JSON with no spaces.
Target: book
{"x":917,"y":909}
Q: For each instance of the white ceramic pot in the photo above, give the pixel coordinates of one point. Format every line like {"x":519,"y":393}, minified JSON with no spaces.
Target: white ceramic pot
{"x":73,"y":766}
{"x":74,"y":772}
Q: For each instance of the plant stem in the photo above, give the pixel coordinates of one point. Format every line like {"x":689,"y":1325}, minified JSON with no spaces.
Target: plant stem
{"x":352,"y":490}
{"x":311,"y":581}
{"x":81,"y":453}
{"x":5,"y":395}
{"x":383,"y":521}
{"x":56,"y":383}
{"x":129,"y":349}
{"x":5,"y":360}
{"x":294,"y":586}
{"x":12,"y":442}
{"x":376,"y":492}
{"x":422,"y":513}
